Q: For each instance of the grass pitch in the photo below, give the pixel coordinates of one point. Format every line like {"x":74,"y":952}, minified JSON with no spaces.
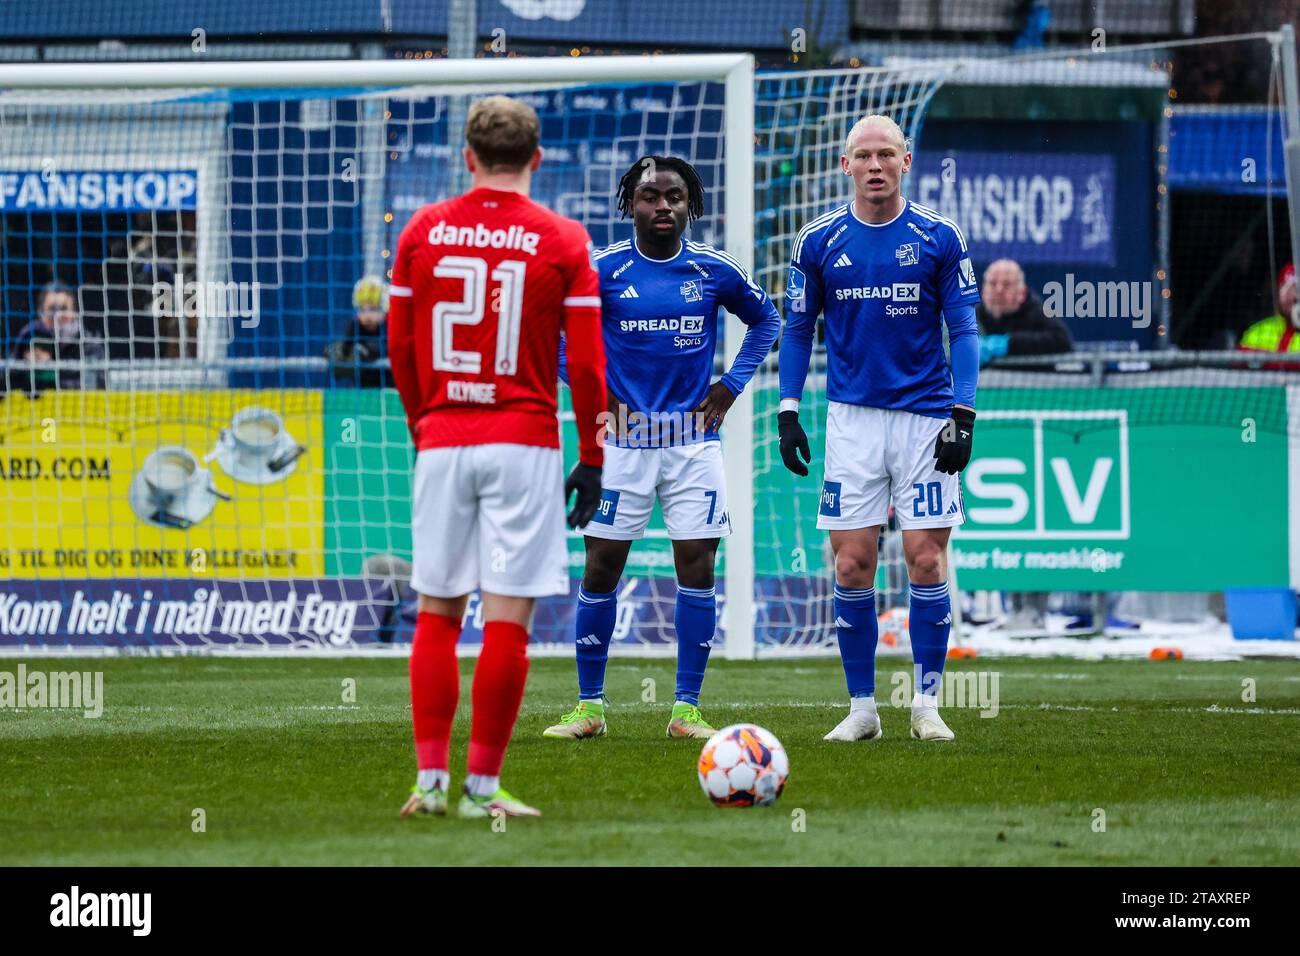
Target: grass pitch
{"x":288,"y":772}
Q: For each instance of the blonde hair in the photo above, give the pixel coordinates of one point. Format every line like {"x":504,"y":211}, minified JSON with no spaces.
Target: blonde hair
{"x":502,"y":132}
{"x":876,"y":119}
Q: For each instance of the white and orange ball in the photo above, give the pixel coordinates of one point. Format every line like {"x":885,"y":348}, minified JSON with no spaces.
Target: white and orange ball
{"x":743,"y":766}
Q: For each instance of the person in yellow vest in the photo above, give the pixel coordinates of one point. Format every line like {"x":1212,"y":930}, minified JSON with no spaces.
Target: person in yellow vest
{"x":1280,"y":332}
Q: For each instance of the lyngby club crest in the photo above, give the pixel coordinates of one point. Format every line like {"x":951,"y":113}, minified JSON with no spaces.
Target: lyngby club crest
{"x":691,"y":290}
{"x":908,"y":254}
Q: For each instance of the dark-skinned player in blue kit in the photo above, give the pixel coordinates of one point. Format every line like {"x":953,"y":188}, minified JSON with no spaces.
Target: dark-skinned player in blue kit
{"x":660,"y":294}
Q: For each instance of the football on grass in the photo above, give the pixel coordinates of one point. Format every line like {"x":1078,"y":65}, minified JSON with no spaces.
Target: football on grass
{"x":743,"y":766}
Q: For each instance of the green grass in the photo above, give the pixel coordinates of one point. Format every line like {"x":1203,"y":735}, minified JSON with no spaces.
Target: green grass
{"x":287,"y":773}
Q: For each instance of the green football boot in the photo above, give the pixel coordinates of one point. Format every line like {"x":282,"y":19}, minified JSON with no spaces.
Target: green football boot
{"x":687,"y":721}
{"x":585,"y":720}
{"x":502,"y":801}
{"x":423,"y":801}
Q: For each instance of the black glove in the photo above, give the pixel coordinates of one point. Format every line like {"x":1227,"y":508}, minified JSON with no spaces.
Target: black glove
{"x":341,"y":363}
{"x":953,"y":446}
{"x":585,"y":480}
{"x":793,"y":440}
{"x":339,"y":352}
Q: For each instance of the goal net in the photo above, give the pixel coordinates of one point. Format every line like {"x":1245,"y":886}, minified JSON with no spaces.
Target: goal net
{"x":1143,"y":199}
{"x":201,"y":445}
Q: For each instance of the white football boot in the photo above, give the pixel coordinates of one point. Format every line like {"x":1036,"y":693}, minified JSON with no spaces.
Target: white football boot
{"x":926,"y":722}
{"x":862,"y":723}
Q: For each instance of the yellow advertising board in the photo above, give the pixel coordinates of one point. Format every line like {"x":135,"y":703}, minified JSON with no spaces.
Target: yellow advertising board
{"x":215,"y":483}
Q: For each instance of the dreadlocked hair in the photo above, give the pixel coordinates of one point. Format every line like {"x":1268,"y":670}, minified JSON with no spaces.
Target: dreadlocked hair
{"x":643,"y":170}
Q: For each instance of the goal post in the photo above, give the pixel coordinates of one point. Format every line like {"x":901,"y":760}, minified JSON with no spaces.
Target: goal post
{"x":738,"y":444}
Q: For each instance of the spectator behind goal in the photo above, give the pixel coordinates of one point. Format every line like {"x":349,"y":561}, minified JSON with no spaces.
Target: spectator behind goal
{"x":1011,"y":318}
{"x":56,"y":342}
{"x":1277,"y":333}
{"x":1012,"y":322}
{"x":364,"y":338}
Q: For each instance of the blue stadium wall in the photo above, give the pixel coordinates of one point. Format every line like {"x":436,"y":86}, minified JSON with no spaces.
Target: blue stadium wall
{"x":736,"y":24}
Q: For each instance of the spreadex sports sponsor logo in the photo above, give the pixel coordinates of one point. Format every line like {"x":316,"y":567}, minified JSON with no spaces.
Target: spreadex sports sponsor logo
{"x":898,"y":292}
{"x":686,"y":324}
{"x":689,"y":327}
{"x":480,"y":236}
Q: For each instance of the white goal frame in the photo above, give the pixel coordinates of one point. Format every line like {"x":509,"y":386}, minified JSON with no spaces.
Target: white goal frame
{"x":734,"y":70}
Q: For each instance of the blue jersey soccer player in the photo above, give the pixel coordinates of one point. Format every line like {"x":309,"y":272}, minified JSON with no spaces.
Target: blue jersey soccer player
{"x":660,"y":296}
{"x":887,"y":273}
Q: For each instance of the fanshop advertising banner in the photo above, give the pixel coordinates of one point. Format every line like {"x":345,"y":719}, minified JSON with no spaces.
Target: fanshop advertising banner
{"x":52,"y":189}
{"x":1030,"y":207}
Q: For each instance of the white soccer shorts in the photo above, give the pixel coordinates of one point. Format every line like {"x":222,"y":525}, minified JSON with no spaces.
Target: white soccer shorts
{"x":874,"y":455}
{"x":688,"y":481}
{"x":490,"y":517}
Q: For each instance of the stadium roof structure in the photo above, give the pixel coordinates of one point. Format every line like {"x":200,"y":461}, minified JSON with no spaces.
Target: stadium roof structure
{"x":1045,"y":86}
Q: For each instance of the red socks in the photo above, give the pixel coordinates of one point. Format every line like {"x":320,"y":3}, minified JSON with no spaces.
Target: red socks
{"x":498,"y":691}
{"x":435,"y":687}
{"x":499,"y":680}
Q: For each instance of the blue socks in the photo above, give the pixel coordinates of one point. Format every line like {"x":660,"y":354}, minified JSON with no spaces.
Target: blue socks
{"x":929,"y":621}
{"x":594,"y":627}
{"x":857,"y":631}
{"x":695,"y":619}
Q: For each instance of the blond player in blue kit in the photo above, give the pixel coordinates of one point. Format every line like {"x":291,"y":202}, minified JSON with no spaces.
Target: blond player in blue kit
{"x":888,"y":274}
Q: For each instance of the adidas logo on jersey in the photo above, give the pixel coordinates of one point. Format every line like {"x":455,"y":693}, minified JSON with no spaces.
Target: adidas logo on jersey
{"x":952,"y":508}
{"x":590,"y":640}
{"x":843,"y":260}
{"x":629,"y":293}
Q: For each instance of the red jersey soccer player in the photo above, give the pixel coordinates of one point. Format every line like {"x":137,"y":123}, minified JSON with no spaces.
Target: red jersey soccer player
{"x":482,"y":286}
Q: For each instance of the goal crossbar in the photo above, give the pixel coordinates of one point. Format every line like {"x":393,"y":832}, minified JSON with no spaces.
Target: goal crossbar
{"x":348,"y":73}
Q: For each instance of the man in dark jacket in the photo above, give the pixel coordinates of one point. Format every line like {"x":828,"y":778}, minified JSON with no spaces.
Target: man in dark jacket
{"x":1011,"y":320}
{"x":365,"y":339}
